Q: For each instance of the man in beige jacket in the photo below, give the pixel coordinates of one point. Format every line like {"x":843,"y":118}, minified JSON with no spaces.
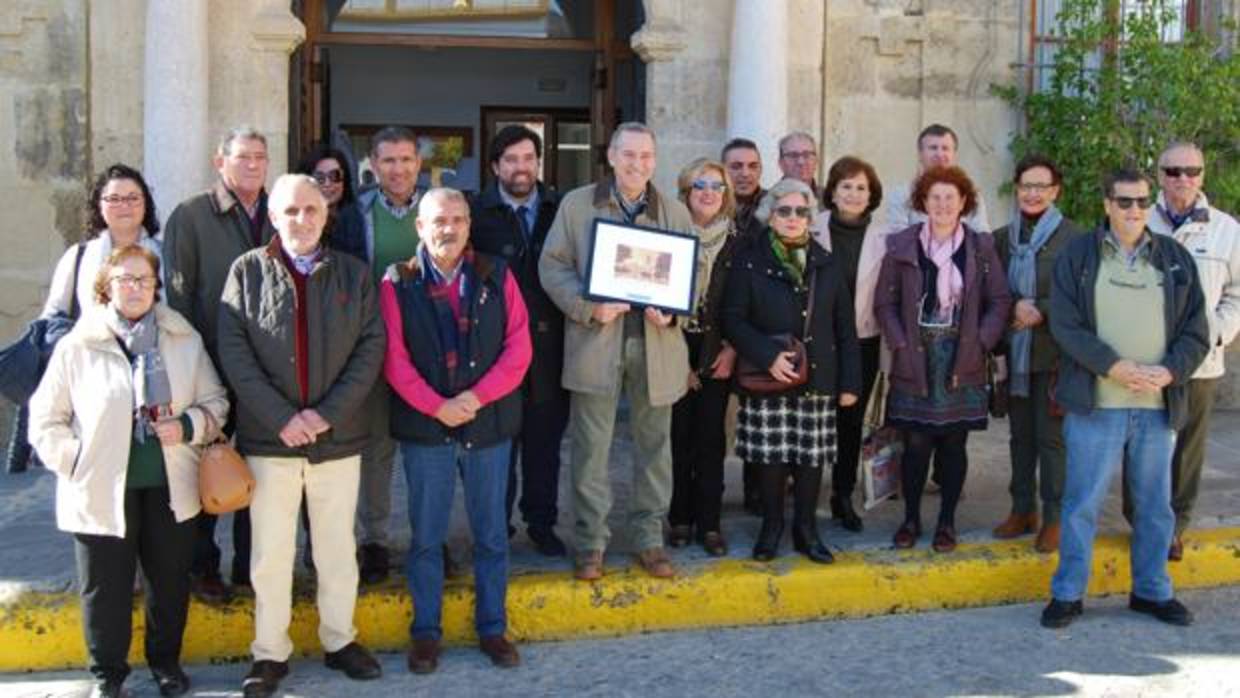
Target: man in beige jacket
{"x":610,"y":347}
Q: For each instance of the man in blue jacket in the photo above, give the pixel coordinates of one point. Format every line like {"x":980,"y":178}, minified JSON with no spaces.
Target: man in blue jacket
{"x":1123,"y":386}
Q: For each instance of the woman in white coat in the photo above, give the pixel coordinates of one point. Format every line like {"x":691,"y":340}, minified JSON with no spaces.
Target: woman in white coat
{"x":128,"y":400}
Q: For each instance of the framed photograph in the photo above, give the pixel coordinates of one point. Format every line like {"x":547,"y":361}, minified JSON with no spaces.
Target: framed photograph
{"x":643,"y":266}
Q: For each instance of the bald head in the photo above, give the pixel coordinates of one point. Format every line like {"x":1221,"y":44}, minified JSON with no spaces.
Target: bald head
{"x":298,"y":211}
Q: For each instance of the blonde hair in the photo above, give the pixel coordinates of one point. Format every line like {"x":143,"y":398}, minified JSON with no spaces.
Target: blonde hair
{"x":693,"y":170}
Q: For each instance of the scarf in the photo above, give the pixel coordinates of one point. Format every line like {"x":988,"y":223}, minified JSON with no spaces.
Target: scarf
{"x":711,"y":238}
{"x":791,"y":255}
{"x":1022,"y":280}
{"x":949,"y":285}
{"x":453,"y":327}
{"x":152,"y":393}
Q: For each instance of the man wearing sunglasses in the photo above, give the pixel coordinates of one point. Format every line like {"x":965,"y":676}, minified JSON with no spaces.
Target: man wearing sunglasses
{"x":1124,"y":385}
{"x":1213,"y":238}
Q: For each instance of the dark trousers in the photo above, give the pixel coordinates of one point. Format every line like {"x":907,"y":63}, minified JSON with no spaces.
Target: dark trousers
{"x":19,"y":443}
{"x":951,"y":464}
{"x":106,"y":565}
{"x":1190,"y":454}
{"x":849,"y":422}
{"x":538,"y":449}
{"x":699,"y":444}
{"x":207,"y":553}
{"x":1037,"y":451}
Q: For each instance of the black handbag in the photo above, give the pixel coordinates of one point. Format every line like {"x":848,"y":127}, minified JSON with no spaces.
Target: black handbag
{"x":757,"y":380}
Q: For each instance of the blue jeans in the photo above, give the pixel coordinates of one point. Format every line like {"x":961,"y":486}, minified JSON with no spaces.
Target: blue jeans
{"x":430,"y":472}
{"x":1097,"y":444}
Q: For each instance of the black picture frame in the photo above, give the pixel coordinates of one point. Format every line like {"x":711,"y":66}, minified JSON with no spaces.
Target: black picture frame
{"x":642,"y":266}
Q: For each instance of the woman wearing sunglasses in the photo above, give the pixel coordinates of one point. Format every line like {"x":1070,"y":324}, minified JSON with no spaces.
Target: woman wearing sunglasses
{"x":784,"y":292}
{"x":942,"y":303}
{"x":698,"y":440}
{"x":346,"y":229}
{"x":1027,"y":249}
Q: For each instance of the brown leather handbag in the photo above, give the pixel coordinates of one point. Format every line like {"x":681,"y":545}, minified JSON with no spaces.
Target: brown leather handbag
{"x":757,"y":380}
{"x":225,"y":482}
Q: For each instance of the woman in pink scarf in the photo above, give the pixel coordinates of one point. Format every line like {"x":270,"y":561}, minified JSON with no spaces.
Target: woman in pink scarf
{"x":942,"y":304}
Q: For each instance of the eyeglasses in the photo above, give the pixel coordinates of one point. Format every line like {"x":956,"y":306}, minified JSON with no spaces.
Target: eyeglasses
{"x":130,"y":281}
{"x":711,"y":184}
{"x":1034,"y":187}
{"x":332,"y":176}
{"x":1126,"y":202}
{"x":790,"y":211}
{"x":799,"y":155}
{"x":118,"y":200}
{"x":1175,"y":172}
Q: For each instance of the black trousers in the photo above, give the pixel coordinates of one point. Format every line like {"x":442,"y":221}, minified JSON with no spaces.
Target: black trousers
{"x":699,"y":444}
{"x":951,"y":465}
{"x":106,"y":565}
{"x":18,"y":455}
{"x":849,"y":421}
{"x":207,"y":553}
{"x":538,"y":449}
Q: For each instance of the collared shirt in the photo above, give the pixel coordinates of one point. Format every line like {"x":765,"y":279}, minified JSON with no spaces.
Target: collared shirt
{"x":441,"y":277}
{"x":1140,"y":251}
{"x":1197,"y":213}
{"x":630,"y":209}
{"x":304,"y":263}
{"x":530,"y":204}
{"x":398,"y":210}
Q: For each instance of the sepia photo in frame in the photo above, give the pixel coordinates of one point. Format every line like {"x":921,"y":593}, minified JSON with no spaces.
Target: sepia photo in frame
{"x":641,"y":266}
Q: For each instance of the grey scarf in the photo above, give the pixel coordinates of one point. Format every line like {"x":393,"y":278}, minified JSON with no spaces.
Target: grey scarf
{"x":152,"y":393}
{"x":1023,"y":281}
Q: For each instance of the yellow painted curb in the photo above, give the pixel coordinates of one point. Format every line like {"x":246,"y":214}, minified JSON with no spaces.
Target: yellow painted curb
{"x":43,"y":631}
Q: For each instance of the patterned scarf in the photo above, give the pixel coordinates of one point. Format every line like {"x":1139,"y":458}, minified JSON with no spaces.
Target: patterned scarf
{"x":949,"y":285}
{"x":791,"y":254}
{"x":453,"y":328}
{"x":710,"y":243}
{"x":152,"y":393}
{"x":1023,"y":280}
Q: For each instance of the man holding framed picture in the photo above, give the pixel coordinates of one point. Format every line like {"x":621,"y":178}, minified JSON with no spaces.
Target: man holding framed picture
{"x":611,"y":347}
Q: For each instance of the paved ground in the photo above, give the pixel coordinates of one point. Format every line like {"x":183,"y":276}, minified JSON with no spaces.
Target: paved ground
{"x":981,"y":652}
{"x":34,"y":555}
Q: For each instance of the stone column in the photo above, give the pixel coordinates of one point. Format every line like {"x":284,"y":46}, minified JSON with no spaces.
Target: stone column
{"x":673,"y":115}
{"x":758,"y":77}
{"x":176,"y":139}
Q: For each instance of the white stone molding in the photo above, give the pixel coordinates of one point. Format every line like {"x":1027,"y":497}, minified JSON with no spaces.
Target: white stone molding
{"x":663,"y":36}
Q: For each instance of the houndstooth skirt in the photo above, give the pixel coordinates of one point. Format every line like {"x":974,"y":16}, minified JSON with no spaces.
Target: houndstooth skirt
{"x":786,"y":430}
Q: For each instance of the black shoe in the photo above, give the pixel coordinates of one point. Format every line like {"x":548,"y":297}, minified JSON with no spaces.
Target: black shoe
{"x":263,"y":678}
{"x":109,"y":688}
{"x":210,"y":588}
{"x":1170,"y":611}
{"x":546,"y":541}
{"x":805,"y":540}
{"x":1060,"y":614}
{"x":241,"y":578}
{"x":354,"y":661}
{"x":374,"y":565}
{"x":842,"y":509}
{"x":766,"y":547}
{"x":170,"y":679}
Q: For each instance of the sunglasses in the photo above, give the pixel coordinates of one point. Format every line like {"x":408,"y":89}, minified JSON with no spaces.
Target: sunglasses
{"x":332,"y":176}
{"x":1174,"y":172}
{"x":711,"y":184}
{"x":1126,"y":202}
{"x":790,"y":211}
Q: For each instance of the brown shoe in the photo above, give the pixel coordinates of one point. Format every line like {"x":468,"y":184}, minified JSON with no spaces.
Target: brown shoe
{"x":503,"y":653}
{"x":1048,"y":538}
{"x":423,"y":657}
{"x":1176,"y":553}
{"x":944,"y":539}
{"x":1016,"y":525}
{"x":656,"y":563}
{"x":588,"y":566}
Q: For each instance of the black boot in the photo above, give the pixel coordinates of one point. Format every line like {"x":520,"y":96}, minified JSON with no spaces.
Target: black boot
{"x":772,"y":479}
{"x":19,"y":446}
{"x":842,"y":509}
{"x":806,"y":482}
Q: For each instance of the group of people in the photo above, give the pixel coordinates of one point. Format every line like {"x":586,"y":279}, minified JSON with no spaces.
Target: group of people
{"x":320,"y":327}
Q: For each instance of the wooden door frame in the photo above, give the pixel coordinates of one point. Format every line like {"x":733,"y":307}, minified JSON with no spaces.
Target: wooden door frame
{"x":557,"y":114}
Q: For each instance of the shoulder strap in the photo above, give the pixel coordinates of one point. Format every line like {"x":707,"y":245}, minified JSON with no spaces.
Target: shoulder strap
{"x":75,"y":308}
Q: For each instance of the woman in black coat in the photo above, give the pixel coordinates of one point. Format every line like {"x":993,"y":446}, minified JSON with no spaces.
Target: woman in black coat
{"x":791,"y":431}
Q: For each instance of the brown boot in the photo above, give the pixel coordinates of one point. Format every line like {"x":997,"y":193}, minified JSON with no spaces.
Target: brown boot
{"x":1016,"y":525}
{"x":1048,"y":539}
{"x":1176,"y":553}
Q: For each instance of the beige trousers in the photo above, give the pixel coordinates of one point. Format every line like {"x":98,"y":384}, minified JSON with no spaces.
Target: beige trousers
{"x":331,"y":497}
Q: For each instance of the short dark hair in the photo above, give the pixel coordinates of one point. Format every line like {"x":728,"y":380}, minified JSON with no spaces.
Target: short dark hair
{"x":1123,"y":175}
{"x":738,"y":144}
{"x":103,"y":278}
{"x":94,"y":214}
{"x":848,"y":167}
{"x":392,"y":134}
{"x":938,"y":130}
{"x":323,"y":152}
{"x":509,"y":136}
{"x":954,"y":176}
{"x":1036,"y":160}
